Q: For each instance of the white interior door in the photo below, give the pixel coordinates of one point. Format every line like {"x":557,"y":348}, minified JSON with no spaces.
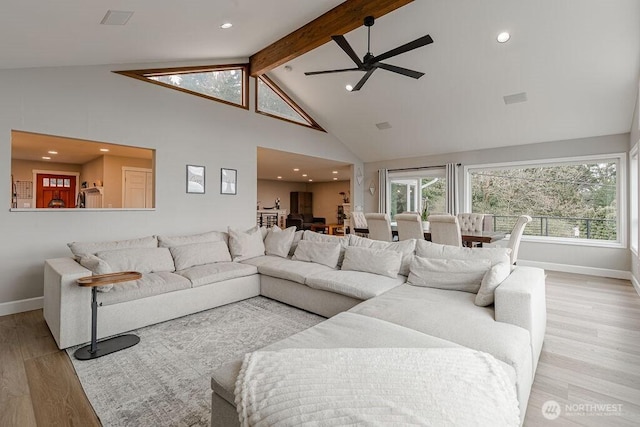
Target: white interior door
{"x":137,"y":189}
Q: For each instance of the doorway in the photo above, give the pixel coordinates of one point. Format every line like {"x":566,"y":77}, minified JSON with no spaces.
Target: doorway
{"x":55,"y":190}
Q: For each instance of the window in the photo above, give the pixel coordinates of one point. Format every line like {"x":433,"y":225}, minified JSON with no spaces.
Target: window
{"x":422,"y":191}
{"x":222,"y":83}
{"x":569,"y":199}
{"x":633,"y":192}
{"x":272,"y":101}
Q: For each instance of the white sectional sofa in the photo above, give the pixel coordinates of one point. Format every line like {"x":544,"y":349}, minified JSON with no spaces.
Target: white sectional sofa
{"x":410,"y":294}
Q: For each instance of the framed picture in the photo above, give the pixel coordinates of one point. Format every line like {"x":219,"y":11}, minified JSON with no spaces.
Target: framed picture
{"x":228,"y":181}
{"x":195,"y":179}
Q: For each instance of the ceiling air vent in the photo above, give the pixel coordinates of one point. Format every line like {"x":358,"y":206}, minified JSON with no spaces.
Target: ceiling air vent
{"x":116,"y":17}
{"x":515,"y":98}
{"x":383,"y":125}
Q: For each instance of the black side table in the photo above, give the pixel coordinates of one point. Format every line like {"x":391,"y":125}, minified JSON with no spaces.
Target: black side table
{"x":110,"y":345}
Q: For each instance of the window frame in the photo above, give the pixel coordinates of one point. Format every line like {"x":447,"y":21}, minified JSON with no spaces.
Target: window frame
{"x":273,"y":86}
{"x":417,"y":174}
{"x":621,"y":192}
{"x":633,"y":199}
{"x":154,"y":72}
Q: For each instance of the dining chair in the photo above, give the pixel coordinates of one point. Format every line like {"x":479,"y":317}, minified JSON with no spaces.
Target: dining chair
{"x":445,"y":230}
{"x":473,"y":222}
{"x":379,"y":226}
{"x":409,"y":226}
{"x":357,"y":221}
{"x":516,"y":236}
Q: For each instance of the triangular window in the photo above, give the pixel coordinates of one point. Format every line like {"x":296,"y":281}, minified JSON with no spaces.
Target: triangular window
{"x":223,"y":83}
{"x":272,"y":101}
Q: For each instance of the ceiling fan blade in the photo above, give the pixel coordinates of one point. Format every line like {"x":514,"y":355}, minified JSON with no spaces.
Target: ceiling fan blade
{"x":344,"y":44}
{"x":422,"y":41}
{"x":313,"y":73}
{"x":363,"y":80}
{"x":400,"y":70}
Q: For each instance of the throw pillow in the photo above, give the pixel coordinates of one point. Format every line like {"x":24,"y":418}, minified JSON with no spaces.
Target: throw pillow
{"x":376,"y":261}
{"x":319,"y":252}
{"x":97,"y":266}
{"x":210,"y":236}
{"x":142,"y":260}
{"x":245,"y":244}
{"x":428,"y":249}
{"x":80,"y":249}
{"x":296,"y":239}
{"x":278,"y":242}
{"x":185,"y":256}
{"x":405,"y":247}
{"x":317,"y":237}
{"x":490,"y":282}
{"x":453,"y":274}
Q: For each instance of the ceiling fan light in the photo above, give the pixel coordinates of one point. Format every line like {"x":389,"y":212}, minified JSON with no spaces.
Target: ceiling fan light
{"x":503,"y":37}
{"x":349,"y":88}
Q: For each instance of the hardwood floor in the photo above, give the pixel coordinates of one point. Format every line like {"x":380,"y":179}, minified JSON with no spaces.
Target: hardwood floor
{"x":590,"y":362}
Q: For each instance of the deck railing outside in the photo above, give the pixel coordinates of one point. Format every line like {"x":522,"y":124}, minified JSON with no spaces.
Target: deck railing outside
{"x":577,"y":228}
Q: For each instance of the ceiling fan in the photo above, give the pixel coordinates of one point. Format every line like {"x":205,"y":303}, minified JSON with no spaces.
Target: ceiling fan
{"x":370,"y":63}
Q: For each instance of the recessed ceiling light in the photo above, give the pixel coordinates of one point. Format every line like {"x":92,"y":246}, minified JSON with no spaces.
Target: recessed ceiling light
{"x":335,"y":179}
{"x":52,"y":152}
{"x":46,"y":158}
{"x":304,"y":174}
{"x":104,"y":150}
{"x":296,"y":170}
{"x":310,"y":180}
{"x":279,"y":177}
{"x":349,"y":88}
{"x":334,"y":172}
{"x":116,"y":17}
{"x":226,"y":25}
{"x":503,"y":37}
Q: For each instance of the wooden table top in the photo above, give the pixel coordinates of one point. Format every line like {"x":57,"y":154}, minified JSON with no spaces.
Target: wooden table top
{"x":467,"y":236}
{"x":108,"y":279}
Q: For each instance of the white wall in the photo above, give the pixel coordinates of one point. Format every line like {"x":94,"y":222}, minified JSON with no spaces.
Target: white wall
{"x":586,"y":259}
{"x":269,"y":190}
{"x":95,"y":104}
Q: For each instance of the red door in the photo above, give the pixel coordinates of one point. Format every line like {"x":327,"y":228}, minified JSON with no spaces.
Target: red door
{"x":55,"y":191}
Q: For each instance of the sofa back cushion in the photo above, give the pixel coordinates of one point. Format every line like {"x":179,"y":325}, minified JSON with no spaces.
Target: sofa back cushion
{"x":142,"y":260}
{"x":452,"y":274}
{"x":343,"y":241}
{"x":278,"y":242}
{"x":369,"y":260}
{"x":246,"y":244}
{"x":426,"y":249}
{"x":405,"y":247}
{"x":79,"y":249}
{"x":210,"y":236}
{"x":185,"y":256}
{"x":325,"y":253}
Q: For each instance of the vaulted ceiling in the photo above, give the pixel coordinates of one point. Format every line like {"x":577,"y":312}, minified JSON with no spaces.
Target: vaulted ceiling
{"x":577,"y":60}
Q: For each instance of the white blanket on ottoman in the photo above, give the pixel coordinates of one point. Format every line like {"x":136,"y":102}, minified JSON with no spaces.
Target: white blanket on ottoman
{"x":369,"y":386}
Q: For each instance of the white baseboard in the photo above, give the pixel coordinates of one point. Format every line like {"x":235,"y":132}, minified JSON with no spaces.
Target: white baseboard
{"x":579,"y":269}
{"x":635,"y":284}
{"x":13,"y":307}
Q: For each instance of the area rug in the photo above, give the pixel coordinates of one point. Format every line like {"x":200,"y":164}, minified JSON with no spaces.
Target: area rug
{"x":165,"y":380}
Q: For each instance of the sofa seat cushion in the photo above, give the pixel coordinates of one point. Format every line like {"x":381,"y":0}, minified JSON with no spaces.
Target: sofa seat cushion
{"x":453,"y":315}
{"x":149,"y":285}
{"x":296,"y":271}
{"x":345,"y":330}
{"x":205,"y":274}
{"x":262,"y":260}
{"x":356,"y":284}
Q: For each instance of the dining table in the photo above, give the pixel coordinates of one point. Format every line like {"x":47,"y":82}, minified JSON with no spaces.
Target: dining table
{"x":468,"y":237}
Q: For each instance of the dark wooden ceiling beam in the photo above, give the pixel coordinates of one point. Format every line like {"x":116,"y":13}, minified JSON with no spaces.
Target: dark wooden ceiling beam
{"x":340,"y":20}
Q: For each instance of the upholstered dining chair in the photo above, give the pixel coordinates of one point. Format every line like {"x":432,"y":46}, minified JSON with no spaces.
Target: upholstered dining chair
{"x":516,"y":236}
{"x":409,"y":226}
{"x":445,"y":230}
{"x":357,"y":221}
{"x":379,"y":226}
{"x":471,"y":222}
